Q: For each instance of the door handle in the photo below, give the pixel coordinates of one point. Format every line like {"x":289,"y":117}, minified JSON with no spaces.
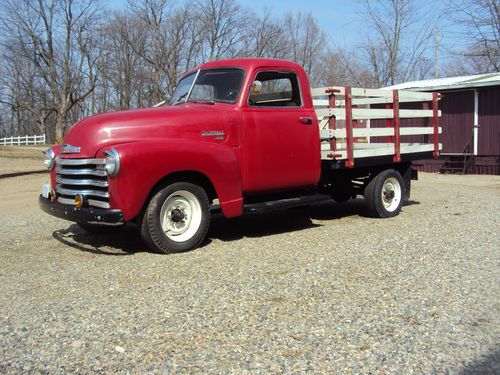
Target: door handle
{"x":306,"y":120}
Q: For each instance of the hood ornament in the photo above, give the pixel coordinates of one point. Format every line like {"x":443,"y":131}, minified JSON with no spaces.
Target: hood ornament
{"x":69,"y":149}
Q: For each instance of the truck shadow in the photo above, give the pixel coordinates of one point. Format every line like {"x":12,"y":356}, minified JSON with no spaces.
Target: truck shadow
{"x":123,"y":242}
{"x":289,"y":220}
{"x":127,"y":241}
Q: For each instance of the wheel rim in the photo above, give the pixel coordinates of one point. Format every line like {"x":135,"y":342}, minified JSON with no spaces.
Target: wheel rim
{"x":181,"y":216}
{"x":391,"y":194}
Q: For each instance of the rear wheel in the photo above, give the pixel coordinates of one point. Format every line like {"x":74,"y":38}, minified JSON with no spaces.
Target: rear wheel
{"x":384,"y":194}
{"x":176,"y":219}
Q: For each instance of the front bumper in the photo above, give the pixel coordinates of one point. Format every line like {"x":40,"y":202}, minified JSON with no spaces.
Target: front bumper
{"x":87,"y":215}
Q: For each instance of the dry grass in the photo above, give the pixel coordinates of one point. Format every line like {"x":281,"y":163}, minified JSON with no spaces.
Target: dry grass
{"x":22,"y":152}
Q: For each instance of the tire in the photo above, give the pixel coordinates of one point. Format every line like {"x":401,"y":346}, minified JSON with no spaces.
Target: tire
{"x":100,"y":228}
{"x":342,"y":190}
{"x":384,"y":194}
{"x":341,"y":196}
{"x":176,"y":218}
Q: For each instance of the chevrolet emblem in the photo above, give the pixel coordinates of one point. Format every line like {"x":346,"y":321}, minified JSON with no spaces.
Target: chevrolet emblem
{"x":68,"y":149}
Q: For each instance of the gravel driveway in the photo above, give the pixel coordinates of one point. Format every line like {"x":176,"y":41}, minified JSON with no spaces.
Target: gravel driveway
{"x":321,"y":289}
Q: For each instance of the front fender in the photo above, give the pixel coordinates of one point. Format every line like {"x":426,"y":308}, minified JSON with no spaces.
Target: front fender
{"x":143,"y":164}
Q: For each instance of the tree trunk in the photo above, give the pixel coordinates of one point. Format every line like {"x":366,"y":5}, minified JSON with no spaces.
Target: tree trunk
{"x":60,"y":125}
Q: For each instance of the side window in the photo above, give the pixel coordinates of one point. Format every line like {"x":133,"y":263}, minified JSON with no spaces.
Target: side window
{"x":275,"y":89}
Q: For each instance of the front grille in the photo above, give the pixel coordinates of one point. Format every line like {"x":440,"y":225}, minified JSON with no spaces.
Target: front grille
{"x":87,"y":177}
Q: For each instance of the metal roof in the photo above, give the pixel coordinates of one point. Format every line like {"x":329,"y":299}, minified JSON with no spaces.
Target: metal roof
{"x":448,"y":83}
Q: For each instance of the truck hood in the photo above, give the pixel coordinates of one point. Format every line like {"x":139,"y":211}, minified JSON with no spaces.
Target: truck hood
{"x":193,"y":121}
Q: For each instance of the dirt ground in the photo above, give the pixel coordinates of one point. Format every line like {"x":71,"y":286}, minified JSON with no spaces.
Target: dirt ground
{"x":20,"y":194}
{"x":320,"y":289}
{"x":9,"y":163}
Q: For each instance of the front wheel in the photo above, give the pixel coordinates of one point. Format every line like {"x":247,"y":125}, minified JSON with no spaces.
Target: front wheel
{"x":176,"y":219}
{"x":384,"y":194}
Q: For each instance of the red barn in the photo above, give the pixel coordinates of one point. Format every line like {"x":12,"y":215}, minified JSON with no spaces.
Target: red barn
{"x":470,"y":109}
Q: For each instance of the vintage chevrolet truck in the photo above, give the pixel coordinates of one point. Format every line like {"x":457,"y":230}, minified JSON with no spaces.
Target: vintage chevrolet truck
{"x":238,"y":135}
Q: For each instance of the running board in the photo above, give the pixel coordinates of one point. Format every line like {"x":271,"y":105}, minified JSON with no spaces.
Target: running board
{"x":255,"y":208}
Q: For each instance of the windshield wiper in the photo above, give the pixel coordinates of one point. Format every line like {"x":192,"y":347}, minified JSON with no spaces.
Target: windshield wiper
{"x":180,"y":98}
{"x":202,"y":101}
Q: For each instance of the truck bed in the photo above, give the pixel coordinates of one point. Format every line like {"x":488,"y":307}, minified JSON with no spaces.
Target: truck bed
{"x":358,"y":123}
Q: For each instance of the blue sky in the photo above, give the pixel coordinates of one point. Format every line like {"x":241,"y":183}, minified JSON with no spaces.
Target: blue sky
{"x":340,"y":19}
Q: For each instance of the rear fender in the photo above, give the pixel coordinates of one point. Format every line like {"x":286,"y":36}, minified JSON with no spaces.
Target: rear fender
{"x":144,"y":164}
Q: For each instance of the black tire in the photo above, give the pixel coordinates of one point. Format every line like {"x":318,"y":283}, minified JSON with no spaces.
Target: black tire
{"x":407,"y":186}
{"x":342,"y":190}
{"x":341,"y":196}
{"x":183,"y":210}
{"x":385,"y":193}
{"x":99,"y":228}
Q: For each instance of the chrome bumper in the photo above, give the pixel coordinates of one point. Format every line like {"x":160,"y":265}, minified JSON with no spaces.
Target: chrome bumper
{"x":89,"y":215}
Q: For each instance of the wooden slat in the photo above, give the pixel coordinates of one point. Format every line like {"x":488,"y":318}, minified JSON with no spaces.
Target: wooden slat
{"x":382,"y":150}
{"x":377,"y":93}
{"x":377,"y":132}
{"x":372,"y":113}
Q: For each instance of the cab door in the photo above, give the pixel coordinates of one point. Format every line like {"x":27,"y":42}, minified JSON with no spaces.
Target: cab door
{"x":280,"y":135}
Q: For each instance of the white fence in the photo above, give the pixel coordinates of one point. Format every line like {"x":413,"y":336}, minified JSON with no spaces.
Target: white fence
{"x":23,"y":140}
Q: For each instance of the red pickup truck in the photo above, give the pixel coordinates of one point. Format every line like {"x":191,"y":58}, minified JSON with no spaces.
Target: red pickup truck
{"x":239,"y":135}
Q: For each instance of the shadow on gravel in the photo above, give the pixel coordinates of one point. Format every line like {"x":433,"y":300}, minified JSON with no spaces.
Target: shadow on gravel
{"x":26,"y":173}
{"x":126,"y":241}
{"x":488,"y":364}
{"x":289,"y":220}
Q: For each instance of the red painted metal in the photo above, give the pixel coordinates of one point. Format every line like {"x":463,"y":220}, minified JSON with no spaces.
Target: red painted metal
{"x":348,"y":128}
{"x":261,"y":149}
{"x":396,"y":124}
{"x":240,"y":149}
{"x":435,"y":123}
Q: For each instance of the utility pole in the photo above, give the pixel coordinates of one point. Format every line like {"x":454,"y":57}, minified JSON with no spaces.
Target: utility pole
{"x":436,"y":54}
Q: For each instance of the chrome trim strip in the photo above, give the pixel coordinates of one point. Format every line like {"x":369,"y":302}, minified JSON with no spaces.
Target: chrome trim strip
{"x":72,"y":181}
{"x":95,"y":193}
{"x":92,"y":202}
{"x":60,"y":161}
{"x":79,"y":172}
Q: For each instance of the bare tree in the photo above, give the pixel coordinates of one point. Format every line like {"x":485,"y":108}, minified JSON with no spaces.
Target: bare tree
{"x":306,"y":40}
{"x":479,"y":27}
{"x":63,"y":59}
{"x":220,"y":22}
{"x":400,"y":34}
{"x":54,"y":36}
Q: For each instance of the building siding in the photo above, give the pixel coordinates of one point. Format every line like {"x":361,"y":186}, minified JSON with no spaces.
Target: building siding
{"x":489,"y":121}
{"x":457,"y":120}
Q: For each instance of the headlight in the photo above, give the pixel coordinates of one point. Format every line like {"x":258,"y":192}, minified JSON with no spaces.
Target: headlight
{"x":49,"y":158}
{"x":112,"y":162}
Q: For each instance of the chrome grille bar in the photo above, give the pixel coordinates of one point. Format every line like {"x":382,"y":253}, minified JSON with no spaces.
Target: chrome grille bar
{"x":92,"y":202}
{"x":72,"y":181}
{"x":60,"y":161}
{"x":86,"y":177}
{"x":93,"y":193}
{"x":81,"y":172}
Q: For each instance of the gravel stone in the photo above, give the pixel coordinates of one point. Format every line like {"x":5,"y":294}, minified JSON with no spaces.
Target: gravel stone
{"x":321,"y":289}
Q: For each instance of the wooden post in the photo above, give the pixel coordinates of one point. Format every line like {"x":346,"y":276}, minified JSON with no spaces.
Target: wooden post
{"x":348,"y":128}
{"x":435,"y":123}
{"x":396,"y":122}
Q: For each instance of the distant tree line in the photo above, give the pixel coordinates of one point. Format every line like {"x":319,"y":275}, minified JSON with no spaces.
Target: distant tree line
{"x":63,"y":60}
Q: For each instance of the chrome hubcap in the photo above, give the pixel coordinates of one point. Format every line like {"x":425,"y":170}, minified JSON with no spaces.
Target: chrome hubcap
{"x":180,"y":216}
{"x":391,"y":194}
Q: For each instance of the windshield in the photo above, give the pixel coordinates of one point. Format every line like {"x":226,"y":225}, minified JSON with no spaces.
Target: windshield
{"x":182,"y":89}
{"x":211,"y":85}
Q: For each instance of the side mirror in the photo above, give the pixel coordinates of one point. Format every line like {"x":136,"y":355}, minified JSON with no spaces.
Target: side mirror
{"x":256,"y":87}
